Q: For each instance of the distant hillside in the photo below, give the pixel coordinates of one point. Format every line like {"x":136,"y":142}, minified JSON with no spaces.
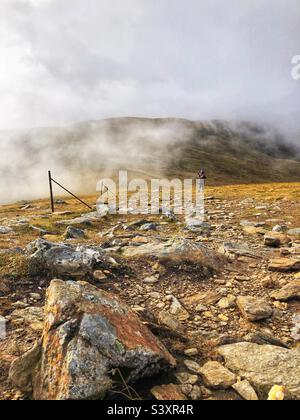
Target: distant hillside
{"x":80,"y":154}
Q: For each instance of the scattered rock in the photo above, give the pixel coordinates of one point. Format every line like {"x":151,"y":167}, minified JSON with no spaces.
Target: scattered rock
{"x":85,"y":219}
{"x":251,"y":230}
{"x":216,"y":376}
{"x":248,"y":223}
{"x":167,"y":320}
{"x":27,"y":207}
{"x":178,"y":310}
{"x":74,"y":233}
{"x":288,"y":292}
{"x":233,"y":250}
{"x":242,"y":279}
{"x":285,"y":264}
{"x":186,"y":378}
{"x":245,"y":390}
{"x":227,"y":302}
{"x":4,"y":287}
{"x":277,"y":393}
{"x":254,"y":309}
{"x":35,"y":296}
{"x":23,"y":369}
{"x":31,"y":316}
{"x":196,"y":393}
{"x":195,"y":225}
{"x":191,"y":352}
{"x":149,"y":226}
{"x":192,"y":366}
{"x":151,"y":280}
{"x":275,"y":240}
{"x":87,"y":333}
{"x":177,"y":248}
{"x":279,"y":228}
{"x":263,"y":338}
{"x":295,"y":331}
{"x":5,"y":230}
{"x":209,"y":298}
{"x":264,"y":366}
{"x":186,"y":389}
{"x":136,"y":224}
{"x":64,"y":260}
{"x":169,"y":392}
{"x":42,"y":232}
{"x":269,"y":283}
{"x":294,"y":232}
{"x":99,"y":275}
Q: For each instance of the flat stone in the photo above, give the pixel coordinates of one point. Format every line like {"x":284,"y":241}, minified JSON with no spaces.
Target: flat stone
{"x":284,"y":264}
{"x":233,"y":250}
{"x":86,"y":219}
{"x":263,"y":338}
{"x":242,"y":279}
{"x":216,"y":376}
{"x":208,"y":298}
{"x":288,"y":292}
{"x":264,"y":366}
{"x":254,"y":309}
{"x":251,"y":230}
{"x":178,"y":248}
{"x":294,"y":232}
{"x":248,"y":223}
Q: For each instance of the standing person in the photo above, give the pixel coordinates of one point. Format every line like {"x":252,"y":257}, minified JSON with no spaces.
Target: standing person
{"x":202,"y":178}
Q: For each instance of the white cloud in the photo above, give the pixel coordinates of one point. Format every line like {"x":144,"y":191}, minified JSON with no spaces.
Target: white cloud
{"x":64,"y":61}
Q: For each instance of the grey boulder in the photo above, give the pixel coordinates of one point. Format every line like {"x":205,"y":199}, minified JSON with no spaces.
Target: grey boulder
{"x":265,"y":366}
{"x":90,"y":338}
{"x":63,"y":260}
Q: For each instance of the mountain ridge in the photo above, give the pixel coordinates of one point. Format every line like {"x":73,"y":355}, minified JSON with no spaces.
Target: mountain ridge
{"x":80,"y":154}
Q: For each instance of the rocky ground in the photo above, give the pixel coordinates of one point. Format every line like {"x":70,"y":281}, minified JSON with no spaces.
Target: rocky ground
{"x":151,"y":307}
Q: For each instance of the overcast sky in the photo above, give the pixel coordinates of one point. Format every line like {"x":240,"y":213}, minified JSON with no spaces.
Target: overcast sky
{"x":65,"y":61}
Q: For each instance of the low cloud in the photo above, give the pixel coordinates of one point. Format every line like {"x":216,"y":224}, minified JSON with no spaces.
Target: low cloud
{"x":67,"y":61}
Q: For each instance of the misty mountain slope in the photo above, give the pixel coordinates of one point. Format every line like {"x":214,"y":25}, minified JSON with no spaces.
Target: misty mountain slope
{"x":80,"y":154}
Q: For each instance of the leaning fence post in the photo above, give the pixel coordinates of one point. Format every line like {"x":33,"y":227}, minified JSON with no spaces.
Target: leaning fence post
{"x":51,"y":191}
